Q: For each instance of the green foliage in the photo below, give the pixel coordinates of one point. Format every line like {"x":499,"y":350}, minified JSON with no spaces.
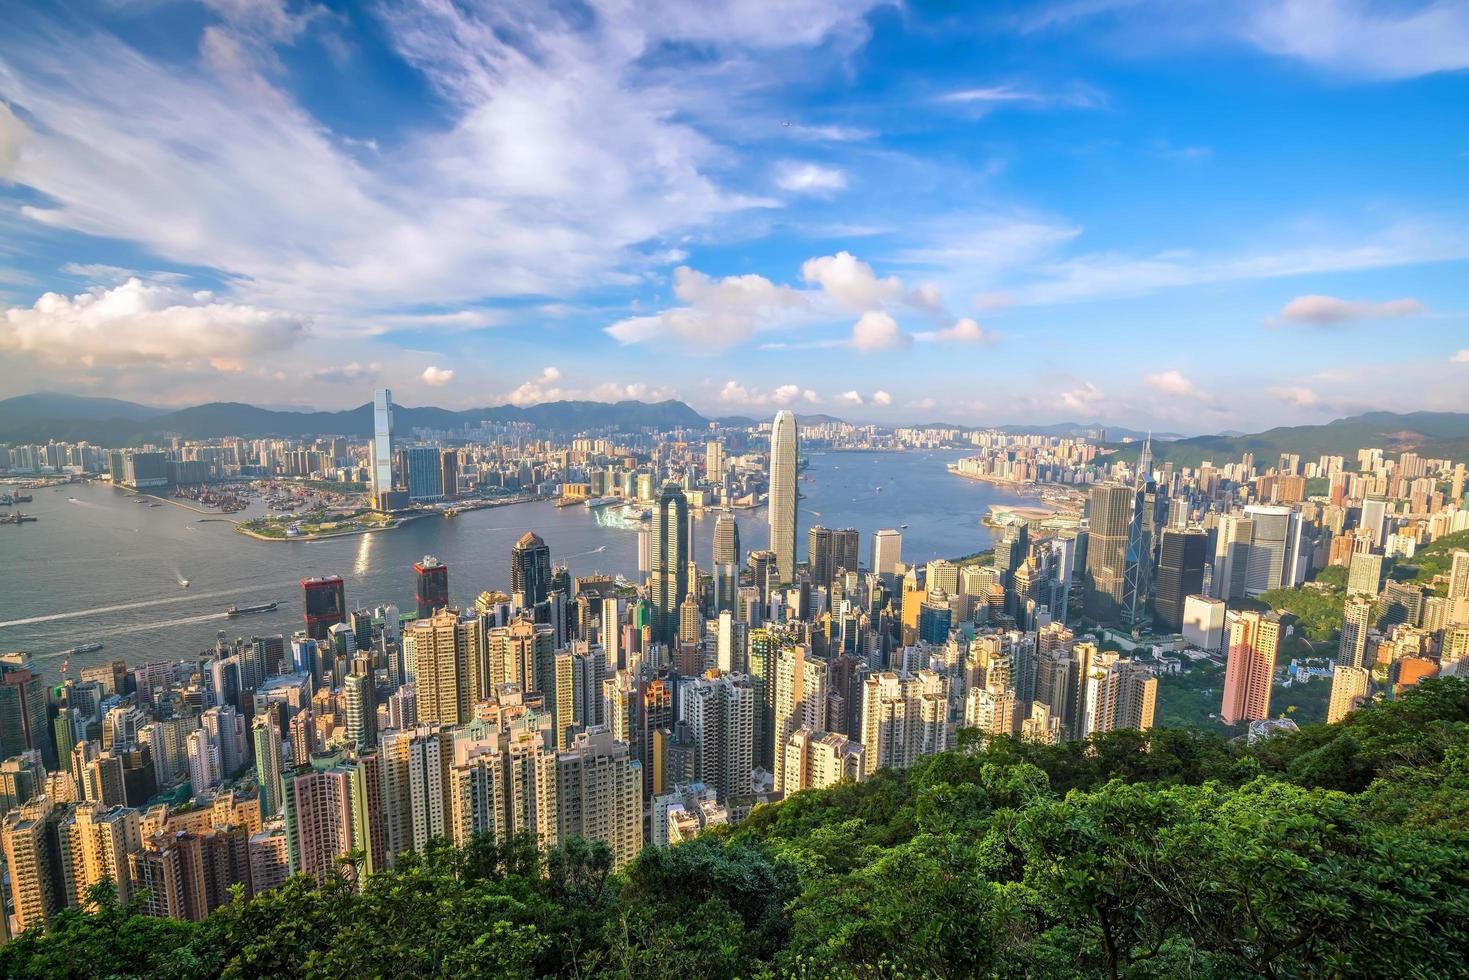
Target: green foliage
{"x":1335,"y":851}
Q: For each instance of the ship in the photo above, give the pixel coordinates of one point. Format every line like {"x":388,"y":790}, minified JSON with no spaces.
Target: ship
{"x":183,"y":583}
{"x":234,"y":611}
{"x":83,"y":648}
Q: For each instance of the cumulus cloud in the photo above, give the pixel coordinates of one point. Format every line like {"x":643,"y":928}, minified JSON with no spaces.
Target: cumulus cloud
{"x":809,"y":178}
{"x":348,"y":373}
{"x":1462,"y":357}
{"x":850,"y":281}
{"x":1171,"y":383}
{"x":139,"y":322}
{"x":881,"y":398}
{"x":717,"y":312}
{"x":437,"y":377}
{"x":1084,"y":399}
{"x":1324,"y":311}
{"x":876,"y":330}
{"x":1296,"y":396}
{"x":735,"y":393}
{"x":850,"y":397}
{"x":924,"y":404}
{"x":1350,"y":36}
{"x":611,"y":391}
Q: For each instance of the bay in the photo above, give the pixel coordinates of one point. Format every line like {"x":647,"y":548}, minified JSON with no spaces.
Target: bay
{"x":99,"y":567}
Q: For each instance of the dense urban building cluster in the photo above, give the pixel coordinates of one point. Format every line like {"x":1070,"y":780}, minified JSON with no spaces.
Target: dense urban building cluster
{"x":629,"y":713}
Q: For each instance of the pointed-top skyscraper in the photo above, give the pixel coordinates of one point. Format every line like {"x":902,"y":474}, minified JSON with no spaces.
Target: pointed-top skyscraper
{"x":783,"y":494}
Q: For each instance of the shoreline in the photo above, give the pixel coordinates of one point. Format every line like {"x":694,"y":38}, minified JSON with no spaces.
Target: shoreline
{"x":393,"y":525}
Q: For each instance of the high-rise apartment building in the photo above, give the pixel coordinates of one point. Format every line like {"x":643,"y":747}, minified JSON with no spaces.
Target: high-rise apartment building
{"x":447,"y":667}
{"x":904,"y":718}
{"x":599,"y":794}
{"x":1251,"y":640}
{"x":720,"y":712}
{"x":1349,"y":687}
{"x":269,"y":764}
{"x":818,"y":760}
{"x":415,"y":789}
{"x":1351,"y":650}
{"x":783,"y":494}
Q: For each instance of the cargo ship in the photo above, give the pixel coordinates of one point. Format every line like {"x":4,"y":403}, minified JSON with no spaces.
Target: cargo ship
{"x":234,"y":611}
{"x":83,"y":648}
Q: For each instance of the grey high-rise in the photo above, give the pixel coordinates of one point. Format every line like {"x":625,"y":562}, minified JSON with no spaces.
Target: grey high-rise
{"x":1110,"y":514}
{"x":726,"y":562}
{"x":783,"y":494}
{"x":530,"y":570}
{"x":669,"y":576}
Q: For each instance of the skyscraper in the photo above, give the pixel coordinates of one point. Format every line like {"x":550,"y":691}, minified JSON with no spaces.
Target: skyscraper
{"x":430,"y":585}
{"x":530,"y":571}
{"x":720,"y":711}
{"x":326,"y":605}
{"x":1349,"y":687}
{"x":1110,"y":513}
{"x":23,"y":721}
{"x":268,"y":764}
{"x":887,"y":552}
{"x":599,"y":794}
{"x":1351,"y":649}
{"x":381,"y":453}
{"x":1180,"y":575}
{"x":1251,"y":639}
{"x":448,"y":661}
{"x":783,"y":494}
{"x":1268,"y":564}
{"x":670,"y":571}
{"x":726,"y":561}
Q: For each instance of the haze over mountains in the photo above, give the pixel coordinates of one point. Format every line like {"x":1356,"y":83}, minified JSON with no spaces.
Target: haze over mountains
{"x":45,"y":416}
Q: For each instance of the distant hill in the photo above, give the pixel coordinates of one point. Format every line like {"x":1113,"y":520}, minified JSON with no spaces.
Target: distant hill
{"x":1437,"y":434}
{"x":105,"y":421}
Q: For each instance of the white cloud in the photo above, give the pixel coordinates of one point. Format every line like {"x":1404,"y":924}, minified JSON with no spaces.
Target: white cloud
{"x":1171,"y":383}
{"x":437,"y":377}
{"x":1328,"y":310}
{"x":542,"y":388}
{"x":352,"y":373}
{"x":138,"y":322}
{"x":1078,"y":96}
{"x":1462,"y":357}
{"x":1353,"y":37}
{"x":1084,"y":399}
{"x":850,"y":397}
{"x":734,"y":393}
{"x":964,"y":330}
{"x":850,"y":281}
{"x":924,"y":404}
{"x":881,"y":398}
{"x":876,"y":330}
{"x":1296,"y":396}
{"x":611,"y":391}
{"x":718,"y":312}
{"x":809,"y":178}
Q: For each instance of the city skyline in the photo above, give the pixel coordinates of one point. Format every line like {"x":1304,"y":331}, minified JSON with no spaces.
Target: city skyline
{"x":1115,"y":213}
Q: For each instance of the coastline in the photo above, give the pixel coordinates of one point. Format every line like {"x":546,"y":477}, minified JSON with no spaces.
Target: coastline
{"x":392,"y":525}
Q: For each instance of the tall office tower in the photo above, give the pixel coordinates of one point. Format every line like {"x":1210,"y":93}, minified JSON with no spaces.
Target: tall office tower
{"x":381,"y":453}
{"x":726,"y":561}
{"x":764,"y":570}
{"x":599,"y":795}
{"x":1252,"y":640}
{"x":1110,"y":513}
{"x":1271,"y":531}
{"x":904,"y":718}
{"x":1117,"y":694}
{"x":430,"y":586}
{"x":670,"y":566}
{"x":819,"y":555}
{"x":415,"y":787}
{"x":28,"y":837}
{"x":361,"y":698}
{"x":609,"y":633}
{"x":325,"y":605}
{"x":23,"y":700}
{"x":530,"y":571}
{"x":421,"y":473}
{"x":268,"y":765}
{"x":713,"y":461}
{"x":887,"y":552}
{"x":762,"y":653}
{"x":1459,"y":575}
{"x":1180,"y":575}
{"x":1374,"y":519}
{"x":449,"y":472}
{"x":817,"y":760}
{"x":93,"y":842}
{"x":720,"y":712}
{"x":1349,"y":686}
{"x":1231,"y":556}
{"x":1351,"y":649}
{"x":783,"y":495}
{"x":447,"y":671}
{"x":1364,"y":574}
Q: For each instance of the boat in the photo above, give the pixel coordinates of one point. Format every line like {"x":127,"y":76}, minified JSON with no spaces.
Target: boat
{"x":902,"y":527}
{"x":82,"y":648}
{"x":183,"y":583}
{"x":234,"y":610}
{"x":155,"y":505}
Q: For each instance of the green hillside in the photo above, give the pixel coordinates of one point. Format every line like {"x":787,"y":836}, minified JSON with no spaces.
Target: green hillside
{"x":1336,"y":851}
{"x":1435,"y":434}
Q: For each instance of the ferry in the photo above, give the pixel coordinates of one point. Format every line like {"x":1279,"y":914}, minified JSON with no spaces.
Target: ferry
{"x":183,"y":583}
{"x":594,"y":502}
{"x":234,"y":611}
{"x":82,"y":648}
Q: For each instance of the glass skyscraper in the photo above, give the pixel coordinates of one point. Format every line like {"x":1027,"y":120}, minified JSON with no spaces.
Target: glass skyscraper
{"x":382,"y":445}
{"x":783,"y":451}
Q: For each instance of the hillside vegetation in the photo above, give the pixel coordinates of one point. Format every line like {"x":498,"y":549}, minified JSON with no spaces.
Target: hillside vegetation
{"x":1337,"y":851}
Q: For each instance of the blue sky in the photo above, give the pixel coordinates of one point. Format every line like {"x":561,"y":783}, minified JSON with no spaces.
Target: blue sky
{"x":1186,"y":215}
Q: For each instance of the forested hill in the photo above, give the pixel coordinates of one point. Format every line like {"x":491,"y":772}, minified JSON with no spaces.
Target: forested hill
{"x":1337,"y":851}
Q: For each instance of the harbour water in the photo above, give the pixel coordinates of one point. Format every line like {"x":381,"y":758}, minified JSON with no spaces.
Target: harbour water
{"x":100,"y":567}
